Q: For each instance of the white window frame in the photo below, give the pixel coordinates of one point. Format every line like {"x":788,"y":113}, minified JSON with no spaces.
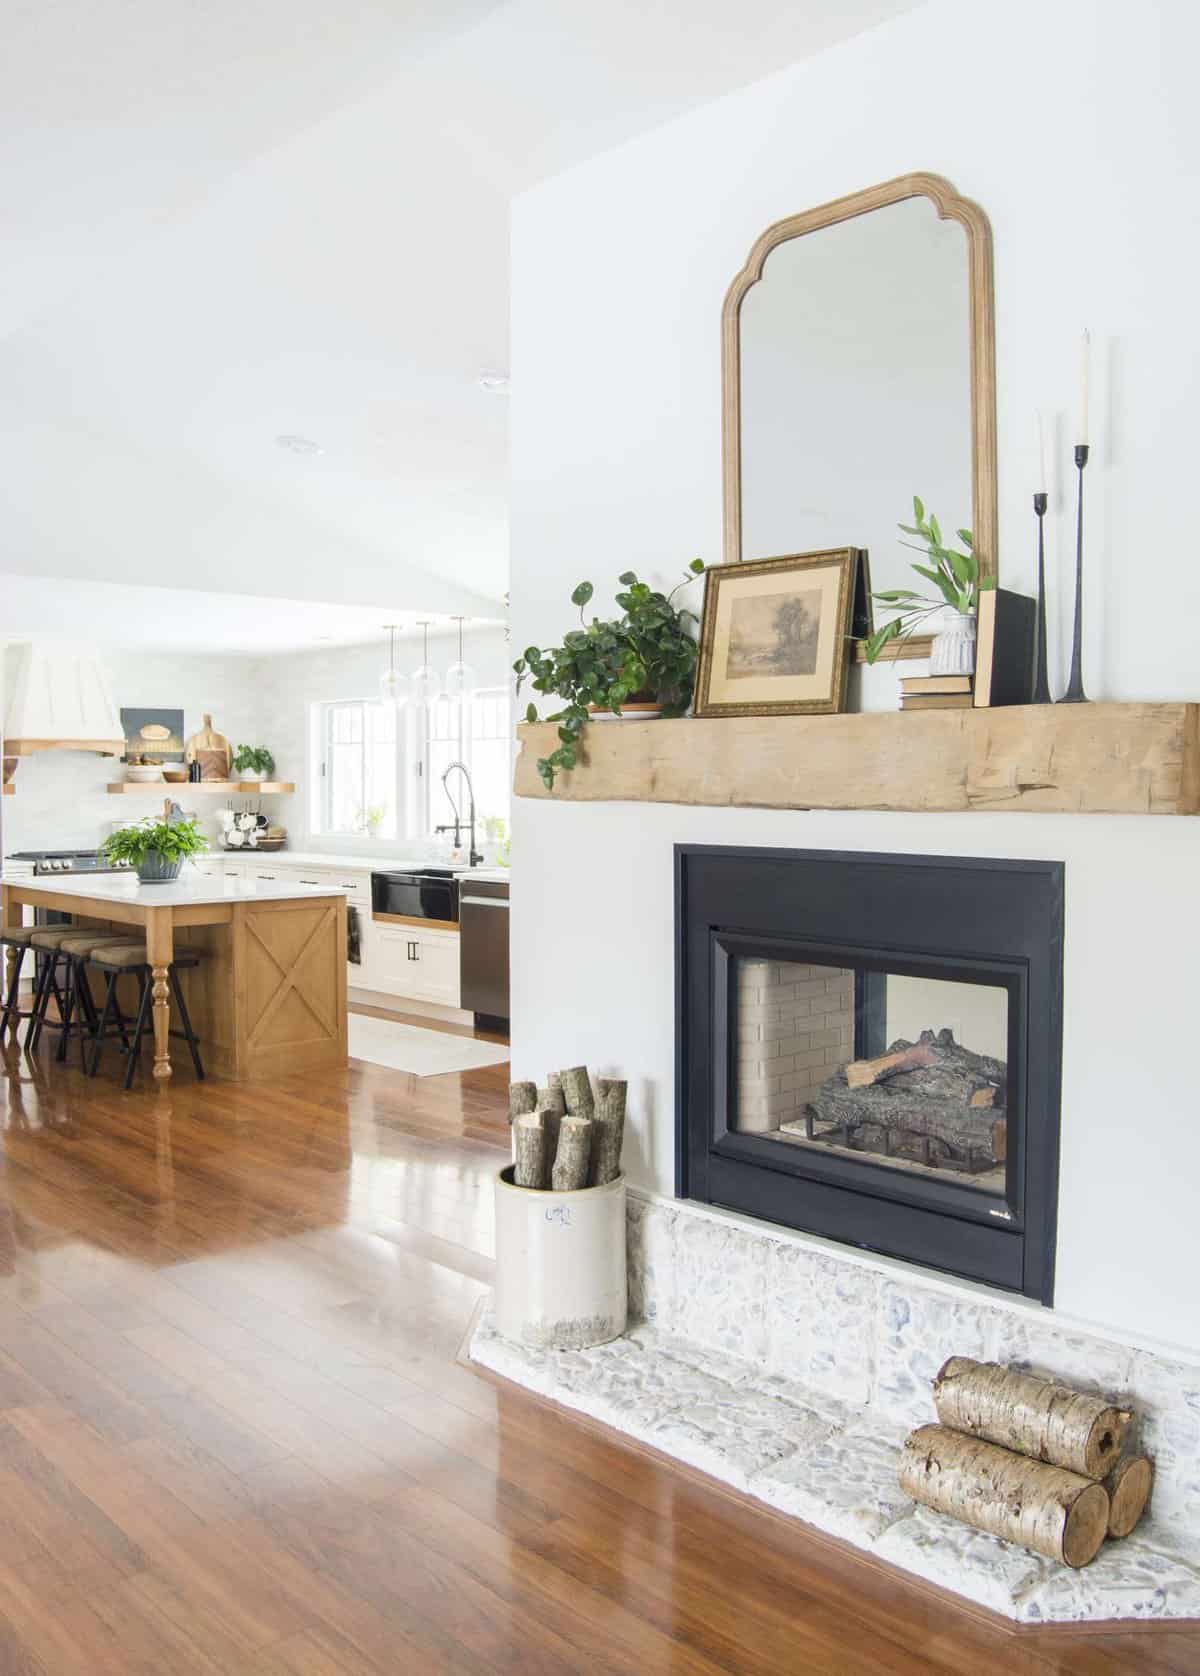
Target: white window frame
{"x":419,"y":803}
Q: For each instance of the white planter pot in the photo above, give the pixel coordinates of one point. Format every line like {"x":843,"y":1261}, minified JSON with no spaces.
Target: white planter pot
{"x":250,"y":776}
{"x":560,"y":1264}
{"x":953,"y":649}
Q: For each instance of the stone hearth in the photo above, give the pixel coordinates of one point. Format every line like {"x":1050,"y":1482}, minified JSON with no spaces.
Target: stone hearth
{"x":791,"y":1371}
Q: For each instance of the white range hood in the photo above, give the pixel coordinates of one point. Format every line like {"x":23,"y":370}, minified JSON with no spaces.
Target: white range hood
{"x":58,"y":700}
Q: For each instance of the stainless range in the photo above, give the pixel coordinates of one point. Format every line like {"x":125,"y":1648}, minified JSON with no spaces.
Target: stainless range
{"x":47,"y":862}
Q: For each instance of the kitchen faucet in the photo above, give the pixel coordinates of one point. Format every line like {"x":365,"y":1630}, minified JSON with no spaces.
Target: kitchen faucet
{"x":473,"y":855}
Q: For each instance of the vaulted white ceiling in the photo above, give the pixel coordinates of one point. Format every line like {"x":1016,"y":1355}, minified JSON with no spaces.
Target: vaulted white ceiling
{"x":226,"y":223}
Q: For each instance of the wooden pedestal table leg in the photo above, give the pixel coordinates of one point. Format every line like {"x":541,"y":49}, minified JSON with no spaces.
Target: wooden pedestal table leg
{"x":160,"y":949}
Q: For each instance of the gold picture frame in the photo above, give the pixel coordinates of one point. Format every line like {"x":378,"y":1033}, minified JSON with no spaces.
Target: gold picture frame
{"x":776,"y":635}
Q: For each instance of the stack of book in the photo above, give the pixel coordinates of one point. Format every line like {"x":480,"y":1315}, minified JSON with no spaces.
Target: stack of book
{"x":936,"y":692}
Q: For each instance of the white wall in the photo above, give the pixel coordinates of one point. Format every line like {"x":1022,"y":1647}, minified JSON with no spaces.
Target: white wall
{"x":619,"y":272}
{"x":60,"y":801}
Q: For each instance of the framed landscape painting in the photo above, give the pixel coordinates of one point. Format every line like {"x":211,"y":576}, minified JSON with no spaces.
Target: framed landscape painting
{"x":776,"y":636}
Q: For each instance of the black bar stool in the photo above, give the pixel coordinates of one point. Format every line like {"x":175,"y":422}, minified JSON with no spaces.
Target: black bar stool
{"x":116,"y":962}
{"x":77,"y":991}
{"x":15,"y":937}
{"x":44,"y":942}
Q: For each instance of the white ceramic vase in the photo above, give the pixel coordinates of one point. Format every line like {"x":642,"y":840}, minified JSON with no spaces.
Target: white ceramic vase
{"x":953,"y":649}
{"x":560,"y":1264}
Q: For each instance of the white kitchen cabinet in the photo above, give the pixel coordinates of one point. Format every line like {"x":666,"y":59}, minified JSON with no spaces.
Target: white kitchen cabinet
{"x":409,"y":961}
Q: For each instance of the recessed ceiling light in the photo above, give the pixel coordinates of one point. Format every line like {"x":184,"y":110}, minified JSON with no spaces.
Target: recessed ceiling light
{"x":495,"y":383}
{"x":298,"y":444}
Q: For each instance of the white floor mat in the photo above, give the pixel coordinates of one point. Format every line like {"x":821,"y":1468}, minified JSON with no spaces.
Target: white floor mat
{"x":423,"y":1053}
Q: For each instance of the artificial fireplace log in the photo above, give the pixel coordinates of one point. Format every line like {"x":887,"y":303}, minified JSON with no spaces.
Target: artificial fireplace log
{"x":939,"y":1098}
{"x":572,"y":1160}
{"x":1036,"y":1417}
{"x":577,"y":1091}
{"x":861,"y":1073}
{"x":610,"y":1131}
{"x":1060,"y":1514}
{"x":522,"y":1098}
{"x":1128,"y":1486}
{"x":529,"y":1137}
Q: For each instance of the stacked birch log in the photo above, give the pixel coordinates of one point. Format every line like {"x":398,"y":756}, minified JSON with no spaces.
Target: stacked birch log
{"x":565,"y":1136}
{"x":1027,"y":1460}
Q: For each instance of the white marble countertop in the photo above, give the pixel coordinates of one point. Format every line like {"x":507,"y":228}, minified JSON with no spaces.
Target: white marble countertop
{"x":359,"y":863}
{"x":185,"y":892}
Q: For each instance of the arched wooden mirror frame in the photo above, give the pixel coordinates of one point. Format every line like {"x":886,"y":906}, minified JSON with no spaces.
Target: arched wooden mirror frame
{"x":983,"y":358}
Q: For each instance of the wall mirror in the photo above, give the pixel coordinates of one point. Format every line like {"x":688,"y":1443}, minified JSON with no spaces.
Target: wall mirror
{"x":859,"y":370}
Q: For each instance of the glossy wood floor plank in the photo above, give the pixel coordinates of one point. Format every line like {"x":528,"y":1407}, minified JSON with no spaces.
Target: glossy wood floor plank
{"x":235,"y":1437}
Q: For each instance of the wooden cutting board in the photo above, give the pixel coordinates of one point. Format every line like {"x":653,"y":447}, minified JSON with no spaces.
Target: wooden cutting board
{"x":212,"y":751}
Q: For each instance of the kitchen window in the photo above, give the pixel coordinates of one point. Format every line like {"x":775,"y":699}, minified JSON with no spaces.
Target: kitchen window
{"x":376,"y":760}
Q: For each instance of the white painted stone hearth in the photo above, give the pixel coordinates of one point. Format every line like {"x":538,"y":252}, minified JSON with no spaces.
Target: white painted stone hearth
{"x":791,"y":1369}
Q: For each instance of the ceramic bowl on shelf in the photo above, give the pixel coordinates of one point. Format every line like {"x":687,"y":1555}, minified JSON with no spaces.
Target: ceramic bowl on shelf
{"x":142,"y":774}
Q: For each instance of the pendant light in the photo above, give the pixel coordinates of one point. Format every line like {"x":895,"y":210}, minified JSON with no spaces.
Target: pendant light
{"x":393,"y":686}
{"x":426,"y":682}
{"x":460,"y":677}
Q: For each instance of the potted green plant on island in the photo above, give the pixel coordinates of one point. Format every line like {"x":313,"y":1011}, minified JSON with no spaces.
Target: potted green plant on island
{"x":157,"y":849}
{"x":954,"y":572}
{"x":253,"y":762}
{"x":647,"y":656}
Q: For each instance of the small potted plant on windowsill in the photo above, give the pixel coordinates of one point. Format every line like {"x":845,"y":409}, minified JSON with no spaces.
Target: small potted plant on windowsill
{"x":955,"y":574}
{"x":157,"y":849}
{"x":642,"y":664}
{"x":253,"y":762}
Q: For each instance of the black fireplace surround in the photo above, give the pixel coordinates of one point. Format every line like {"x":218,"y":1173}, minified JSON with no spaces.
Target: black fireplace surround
{"x":976,"y":922}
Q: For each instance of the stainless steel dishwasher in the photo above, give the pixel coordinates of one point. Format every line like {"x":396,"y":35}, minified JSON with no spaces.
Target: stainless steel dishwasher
{"x":483,"y":947}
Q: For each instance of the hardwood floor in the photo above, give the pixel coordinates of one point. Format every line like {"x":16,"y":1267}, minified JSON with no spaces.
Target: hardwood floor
{"x":234,"y":1436}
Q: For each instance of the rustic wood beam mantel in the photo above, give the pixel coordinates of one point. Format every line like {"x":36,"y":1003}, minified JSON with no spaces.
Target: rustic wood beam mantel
{"x":1135,"y":759}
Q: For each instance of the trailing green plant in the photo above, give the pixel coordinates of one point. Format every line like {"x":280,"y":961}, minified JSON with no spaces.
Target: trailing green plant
{"x":254,"y":759}
{"x":172,"y":840}
{"x":647,"y":652}
{"x":954,"y":573}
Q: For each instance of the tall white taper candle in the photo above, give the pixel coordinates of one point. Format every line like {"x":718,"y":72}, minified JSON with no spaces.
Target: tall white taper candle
{"x":1043,"y":477}
{"x":1085,"y":352}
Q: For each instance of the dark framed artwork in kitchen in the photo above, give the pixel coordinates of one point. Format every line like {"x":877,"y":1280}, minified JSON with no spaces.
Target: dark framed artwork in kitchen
{"x":776,"y":637}
{"x":152,"y":735}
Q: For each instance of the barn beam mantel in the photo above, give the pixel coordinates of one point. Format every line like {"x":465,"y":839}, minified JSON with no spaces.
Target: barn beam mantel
{"x":1137,"y":759}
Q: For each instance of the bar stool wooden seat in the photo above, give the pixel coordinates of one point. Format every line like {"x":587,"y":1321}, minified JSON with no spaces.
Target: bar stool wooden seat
{"x":16,"y":938}
{"x":125,"y":959}
{"x":77,"y":994}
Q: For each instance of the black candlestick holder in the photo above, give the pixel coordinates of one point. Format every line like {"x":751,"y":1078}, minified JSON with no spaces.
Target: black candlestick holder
{"x":1041,"y":681}
{"x":1075,"y":693}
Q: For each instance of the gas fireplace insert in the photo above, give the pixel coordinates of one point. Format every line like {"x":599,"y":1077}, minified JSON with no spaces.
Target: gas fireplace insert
{"x":869,"y":1048}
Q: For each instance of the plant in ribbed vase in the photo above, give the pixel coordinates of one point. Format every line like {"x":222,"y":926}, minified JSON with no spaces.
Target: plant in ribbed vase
{"x":953,"y":572}
{"x":646,"y":654}
{"x":157,"y":849}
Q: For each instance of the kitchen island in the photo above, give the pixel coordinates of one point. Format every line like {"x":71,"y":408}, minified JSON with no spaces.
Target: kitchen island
{"x":269,"y":995}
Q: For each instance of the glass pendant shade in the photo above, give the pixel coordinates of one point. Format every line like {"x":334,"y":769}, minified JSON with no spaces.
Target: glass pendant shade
{"x":393,"y":686}
{"x":426,"y":682}
{"x":460,"y":682}
{"x":460,"y":677}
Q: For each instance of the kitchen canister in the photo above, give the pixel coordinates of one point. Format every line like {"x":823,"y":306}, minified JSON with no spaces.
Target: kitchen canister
{"x":560,"y":1264}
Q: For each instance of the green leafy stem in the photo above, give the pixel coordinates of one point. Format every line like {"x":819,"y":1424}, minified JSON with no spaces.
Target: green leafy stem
{"x":954,"y":573}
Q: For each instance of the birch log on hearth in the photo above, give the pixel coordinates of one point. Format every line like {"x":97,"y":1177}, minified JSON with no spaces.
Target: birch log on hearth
{"x":551,"y":1111}
{"x":550,"y":1098}
{"x":522,"y":1098}
{"x":1060,"y":1514}
{"x":1128,"y":1486}
{"x":609,"y":1124}
{"x":577,"y":1091}
{"x":573,"y":1157}
{"x":529,"y":1139}
{"x":1035,"y":1417}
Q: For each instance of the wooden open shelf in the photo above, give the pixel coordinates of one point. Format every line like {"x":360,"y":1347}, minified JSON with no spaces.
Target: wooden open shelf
{"x":206,"y":788}
{"x":10,"y":789}
{"x":1137,"y":759}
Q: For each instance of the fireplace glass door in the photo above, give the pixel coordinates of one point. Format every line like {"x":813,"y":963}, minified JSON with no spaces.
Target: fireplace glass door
{"x":907,"y":1071}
